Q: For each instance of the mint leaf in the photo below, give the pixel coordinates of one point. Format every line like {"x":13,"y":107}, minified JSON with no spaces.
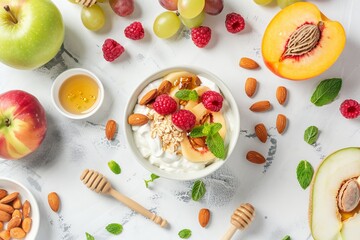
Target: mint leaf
{"x":114,"y":167}
{"x":311,"y":134}
{"x":304,"y":172}
{"x":152,"y":178}
{"x":287,"y":237}
{"x":197,"y":132}
{"x":114,"y":228}
{"x":215,"y":144}
{"x":187,"y":95}
{"x":89,"y":237}
{"x":326,"y":91}
{"x":185,"y":233}
{"x":214,"y":128}
{"x":198,"y":190}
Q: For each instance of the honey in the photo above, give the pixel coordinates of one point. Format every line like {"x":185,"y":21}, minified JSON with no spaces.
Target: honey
{"x":78,"y":94}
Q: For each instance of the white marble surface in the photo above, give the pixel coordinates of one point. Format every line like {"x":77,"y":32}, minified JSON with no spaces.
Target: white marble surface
{"x":71,"y":146}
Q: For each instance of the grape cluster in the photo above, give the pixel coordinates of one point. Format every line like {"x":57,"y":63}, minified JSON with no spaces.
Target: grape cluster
{"x":93,"y":17}
{"x":280,"y":3}
{"x":190,"y":13}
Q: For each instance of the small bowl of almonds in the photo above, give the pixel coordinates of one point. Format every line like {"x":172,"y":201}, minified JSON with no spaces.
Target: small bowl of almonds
{"x":19,"y":212}
{"x":182,"y":123}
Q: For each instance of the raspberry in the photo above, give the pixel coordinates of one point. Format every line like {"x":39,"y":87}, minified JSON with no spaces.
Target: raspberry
{"x":134,"y":31}
{"x":112,"y":50}
{"x":234,"y":22}
{"x":201,"y":36}
{"x":350,"y":108}
{"x":184,"y":119}
{"x":164,"y":104}
{"x":212,"y":100}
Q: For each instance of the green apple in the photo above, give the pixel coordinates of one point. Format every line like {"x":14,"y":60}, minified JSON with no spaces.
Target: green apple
{"x":31,"y":32}
{"x":334,"y":210}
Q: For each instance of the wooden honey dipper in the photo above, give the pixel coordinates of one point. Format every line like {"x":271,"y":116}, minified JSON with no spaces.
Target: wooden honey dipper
{"x":240,"y":219}
{"x":98,"y":183}
{"x":86,"y":3}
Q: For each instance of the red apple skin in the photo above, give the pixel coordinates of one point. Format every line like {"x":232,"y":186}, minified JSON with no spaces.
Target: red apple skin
{"x":22,"y":124}
{"x":122,"y":8}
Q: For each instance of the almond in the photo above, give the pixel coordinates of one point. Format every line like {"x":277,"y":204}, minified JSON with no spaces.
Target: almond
{"x":54,"y":201}
{"x":164,"y":87}
{"x":110,"y":129}
{"x":9,"y":198}
{"x":17,"y":203}
{"x":148,"y":97}
{"x":204,"y":217}
{"x":4,"y":216}
{"x":1,"y":226}
{"x":17,"y":233}
{"x":250,"y":86}
{"x":6,"y":208}
{"x":199,"y":142}
{"x":281,"y":123}
{"x":26,"y":209}
{"x":17,"y":213}
{"x":260,"y":106}
{"x":261,"y":132}
{"x":281,"y":94}
{"x":3,"y":193}
{"x":255,"y":157}
{"x":137,"y":119}
{"x":248,"y":63}
{"x":26,"y":224}
{"x":14,"y":222}
{"x":5,"y":235}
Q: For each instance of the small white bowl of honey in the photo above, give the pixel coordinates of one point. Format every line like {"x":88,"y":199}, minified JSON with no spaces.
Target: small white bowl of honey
{"x":77,"y":93}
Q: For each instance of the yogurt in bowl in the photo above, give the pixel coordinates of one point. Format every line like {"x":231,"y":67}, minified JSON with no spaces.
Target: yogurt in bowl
{"x":192,"y":140}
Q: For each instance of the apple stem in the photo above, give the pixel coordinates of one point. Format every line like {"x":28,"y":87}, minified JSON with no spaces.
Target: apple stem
{"x":8,"y":10}
{"x":7,"y":122}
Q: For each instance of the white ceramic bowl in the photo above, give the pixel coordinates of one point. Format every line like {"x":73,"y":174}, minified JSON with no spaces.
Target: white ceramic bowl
{"x":61,"y":79}
{"x":234,"y":124}
{"x":14,"y":186}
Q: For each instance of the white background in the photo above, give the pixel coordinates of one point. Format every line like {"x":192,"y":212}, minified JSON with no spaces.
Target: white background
{"x":71,"y":146}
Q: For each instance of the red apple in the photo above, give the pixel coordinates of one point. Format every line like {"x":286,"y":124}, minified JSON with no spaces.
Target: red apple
{"x":22,"y":124}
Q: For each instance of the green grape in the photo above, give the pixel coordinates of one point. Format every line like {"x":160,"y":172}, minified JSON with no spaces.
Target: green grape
{"x":166,"y":24}
{"x":93,"y":17}
{"x":263,"y":2}
{"x":285,"y":3}
{"x":194,"y":22}
{"x":190,"y":8}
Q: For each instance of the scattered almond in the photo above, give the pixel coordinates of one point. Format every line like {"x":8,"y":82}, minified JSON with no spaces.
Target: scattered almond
{"x":260,"y":106}
{"x":3,"y":193}
{"x":1,"y":226}
{"x":110,"y":129}
{"x":54,"y":201}
{"x":6,"y":208}
{"x":281,"y":123}
{"x":281,"y":94}
{"x":9,"y":198}
{"x":26,"y":209}
{"x":4,"y":216}
{"x":148,"y":97}
{"x":17,"y":203}
{"x":248,"y":63}
{"x":5,"y":234}
{"x":164,"y":87}
{"x":13,"y":223}
{"x":204,"y":217}
{"x":250,"y":86}
{"x":17,"y":213}
{"x":261,"y":132}
{"x":26,"y":224}
{"x":255,"y":157}
{"x":137,"y":119}
{"x":17,"y":233}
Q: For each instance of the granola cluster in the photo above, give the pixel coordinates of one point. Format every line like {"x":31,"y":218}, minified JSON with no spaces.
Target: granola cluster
{"x":163,"y":128}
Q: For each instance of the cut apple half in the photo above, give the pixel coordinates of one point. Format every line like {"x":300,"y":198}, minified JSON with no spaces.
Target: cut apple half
{"x":334,"y":210}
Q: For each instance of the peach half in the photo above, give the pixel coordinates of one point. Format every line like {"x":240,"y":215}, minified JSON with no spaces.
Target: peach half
{"x":300,"y":42}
